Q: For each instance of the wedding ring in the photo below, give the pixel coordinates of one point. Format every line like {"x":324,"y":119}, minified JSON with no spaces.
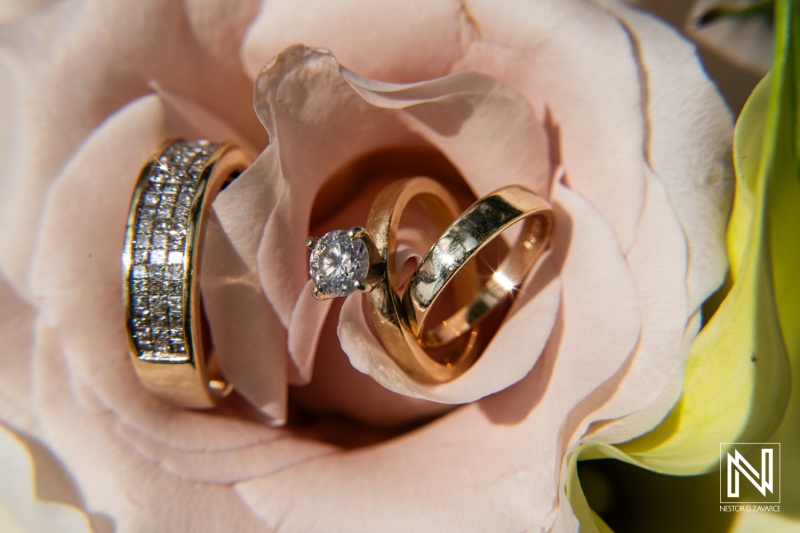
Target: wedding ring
{"x":167,"y":339}
{"x":365,"y":259}
{"x":482,"y":222}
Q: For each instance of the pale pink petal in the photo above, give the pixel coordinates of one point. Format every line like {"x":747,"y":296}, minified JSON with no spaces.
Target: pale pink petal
{"x":227,"y":466}
{"x":686,"y":116}
{"x":652,"y":414}
{"x":462,"y":473}
{"x":379,"y":40}
{"x":187,"y":116}
{"x":253,"y":354}
{"x":595,"y":120}
{"x":16,"y":330}
{"x":76,"y":76}
{"x":14,"y":9}
{"x":247,"y":335}
{"x":486,"y":129}
{"x":304,"y":330}
{"x":658,"y":264}
{"x":77,"y":274}
{"x":592,"y":253}
{"x":117,"y":482}
{"x":20,"y":508}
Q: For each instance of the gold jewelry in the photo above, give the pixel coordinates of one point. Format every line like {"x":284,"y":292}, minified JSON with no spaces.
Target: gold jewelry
{"x":483,"y":221}
{"x":167,"y":340}
{"x":364,"y":259}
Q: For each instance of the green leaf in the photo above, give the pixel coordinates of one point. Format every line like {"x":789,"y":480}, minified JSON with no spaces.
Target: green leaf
{"x":760,"y":8}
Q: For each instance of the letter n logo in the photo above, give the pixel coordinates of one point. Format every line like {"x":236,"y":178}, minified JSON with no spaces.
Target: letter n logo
{"x":735,"y":469}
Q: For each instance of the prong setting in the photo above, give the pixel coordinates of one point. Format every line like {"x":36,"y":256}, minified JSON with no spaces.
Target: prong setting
{"x":363,"y":287}
{"x":317,"y":293}
{"x":357,"y":232}
{"x":340,"y":263}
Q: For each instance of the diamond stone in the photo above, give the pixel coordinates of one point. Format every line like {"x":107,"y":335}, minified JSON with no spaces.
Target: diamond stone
{"x":337,"y":262}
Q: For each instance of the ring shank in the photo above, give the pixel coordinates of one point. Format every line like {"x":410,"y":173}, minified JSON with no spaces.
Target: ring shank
{"x":479,"y":225}
{"x":386,"y":308}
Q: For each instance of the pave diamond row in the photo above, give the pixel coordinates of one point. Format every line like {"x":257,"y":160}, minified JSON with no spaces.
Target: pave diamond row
{"x":159,"y":284}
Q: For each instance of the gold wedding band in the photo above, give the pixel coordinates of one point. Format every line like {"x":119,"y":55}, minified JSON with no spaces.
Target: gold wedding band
{"x":167,"y":339}
{"x":481,"y":223}
{"x":386,"y":306}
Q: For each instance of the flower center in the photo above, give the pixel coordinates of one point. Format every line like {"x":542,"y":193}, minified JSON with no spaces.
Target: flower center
{"x":337,"y":262}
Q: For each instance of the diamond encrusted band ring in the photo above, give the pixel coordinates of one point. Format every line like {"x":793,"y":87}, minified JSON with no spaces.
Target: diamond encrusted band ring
{"x":365,"y":259}
{"x":168,"y":343}
{"x":482,"y":222}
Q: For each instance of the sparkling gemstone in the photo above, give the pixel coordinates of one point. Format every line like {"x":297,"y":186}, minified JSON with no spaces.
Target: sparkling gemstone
{"x":145,"y":225}
{"x":142,"y":240}
{"x":175,"y":272}
{"x":175,"y":258}
{"x":139,"y":271}
{"x":337,"y":261}
{"x":150,"y":198}
{"x":158,"y":256}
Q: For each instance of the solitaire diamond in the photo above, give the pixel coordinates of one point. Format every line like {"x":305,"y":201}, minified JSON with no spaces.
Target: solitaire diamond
{"x":338,"y":262}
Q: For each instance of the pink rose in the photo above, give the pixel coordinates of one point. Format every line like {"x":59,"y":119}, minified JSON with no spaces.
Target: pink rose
{"x":598,"y":107}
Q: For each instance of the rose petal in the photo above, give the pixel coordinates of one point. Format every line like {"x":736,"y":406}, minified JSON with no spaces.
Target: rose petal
{"x":246,"y":332}
{"x":115,"y":479}
{"x":486,"y":129}
{"x":651,"y":415}
{"x":307,"y":320}
{"x":227,"y":466}
{"x":523,"y":44}
{"x":339,"y":388}
{"x":14,"y":9}
{"x":20,"y":509}
{"x":387,"y":45}
{"x":16,"y":330}
{"x":658,"y":263}
{"x":397,"y":476}
{"x":700,"y":187}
